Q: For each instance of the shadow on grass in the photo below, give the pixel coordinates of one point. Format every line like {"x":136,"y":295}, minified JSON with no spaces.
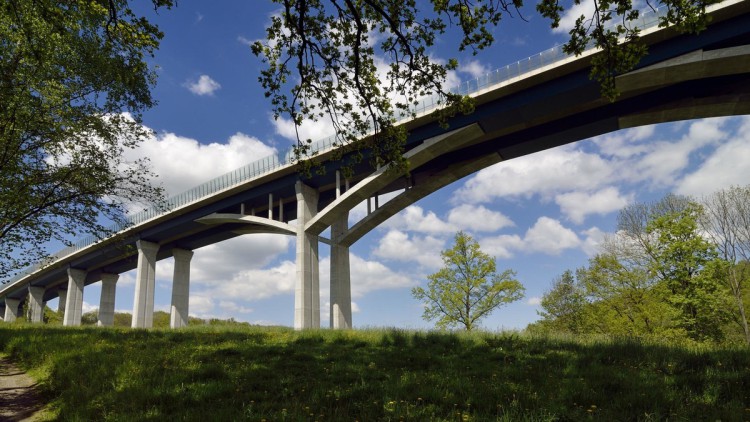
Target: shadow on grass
{"x":279,"y":374}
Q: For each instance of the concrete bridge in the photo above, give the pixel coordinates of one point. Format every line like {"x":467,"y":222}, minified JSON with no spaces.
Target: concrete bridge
{"x":543,"y":102}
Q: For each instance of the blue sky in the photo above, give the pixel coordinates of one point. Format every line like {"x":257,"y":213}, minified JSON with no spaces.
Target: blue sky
{"x":538,"y":215}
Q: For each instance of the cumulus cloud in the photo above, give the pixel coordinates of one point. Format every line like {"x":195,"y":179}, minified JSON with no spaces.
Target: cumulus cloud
{"x":569,"y":16}
{"x":534,"y":301}
{"x":545,"y":173}
{"x":203,"y":86}
{"x":588,"y":177}
{"x":577,"y":205}
{"x":726,"y":166}
{"x":399,"y":246}
{"x":478,"y":218}
{"x":550,"y":237}
{"x":547,"y":236}
{"x":183,"y":163}
{"x":414,"y":218}
{"x":474,"y":68}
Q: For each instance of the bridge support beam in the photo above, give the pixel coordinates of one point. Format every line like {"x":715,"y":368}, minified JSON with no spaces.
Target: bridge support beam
{"x":11,"y":309}
{"x":107,"y":300}
{"x":180,"y":288}
{"x":74,"y":298}
{"x":36,"y":304}
{"x":307,"y":287}
{"x":341,"y":296}
{"x":145,"y":285}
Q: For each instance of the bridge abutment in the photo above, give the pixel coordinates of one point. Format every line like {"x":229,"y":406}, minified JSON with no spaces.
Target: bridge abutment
{"x":145,"y":285}
{"x":307,"y":285}
{"x":107,"y":300}
{"x":180,"y":288}
{"x":74,"y":297}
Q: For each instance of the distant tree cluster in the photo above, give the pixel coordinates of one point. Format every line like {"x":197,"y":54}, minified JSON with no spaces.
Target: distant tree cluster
{"x":678,"y":268}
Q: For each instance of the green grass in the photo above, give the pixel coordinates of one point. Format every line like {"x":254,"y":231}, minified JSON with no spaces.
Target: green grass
{"x":240,"y":373}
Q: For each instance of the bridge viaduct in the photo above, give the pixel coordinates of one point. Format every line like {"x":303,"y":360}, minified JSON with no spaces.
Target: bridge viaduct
{"x":519,"y":112}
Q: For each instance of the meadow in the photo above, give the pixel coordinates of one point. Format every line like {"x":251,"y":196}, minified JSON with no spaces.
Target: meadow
{"x":276,"y":374}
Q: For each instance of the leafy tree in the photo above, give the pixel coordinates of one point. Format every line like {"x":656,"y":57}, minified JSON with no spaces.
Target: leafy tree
{"x":73,"y":84}
{"x":468,"y":288}
{"x":563,"y":304}
{"x":363,"y":63}
{"x":727,"y":221}
{"x":689,"y":267}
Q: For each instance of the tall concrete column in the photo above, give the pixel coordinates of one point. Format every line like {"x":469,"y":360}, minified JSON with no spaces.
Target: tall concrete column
{"x":341,"y":296}
{"x":63,"y":295}
{"x":11,"y":309}
{"x":36,"y":304}
{"x":145,"y":285}
{"x":307,"y":288}
{"x":74,"y":298}
{"x":180,"y":288}
{"x":107,"y":300}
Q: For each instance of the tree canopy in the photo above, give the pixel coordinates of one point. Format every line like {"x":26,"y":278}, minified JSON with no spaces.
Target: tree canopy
{"x":661,"y":275}
{"x":468,"y":288}
{"x":363,"y":63}
{"x":73,"y":84}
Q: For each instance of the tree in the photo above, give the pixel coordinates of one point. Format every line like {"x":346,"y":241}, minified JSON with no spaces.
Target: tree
{"x":563,"y":304}
{"x":727,"y":222}
{"x":468,"y":288}
{"x":363,"y":63}
{"x":73,"y":84}
{"x":689,"y":267}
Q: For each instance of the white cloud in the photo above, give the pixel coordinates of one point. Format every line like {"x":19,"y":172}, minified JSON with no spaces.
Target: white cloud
{"x":474,"y":68}
{"x":550,"y":237}
{"x":577,"y":205}
{"x":502,"y":246}
{"x":534,"y":301}
{"x":545,"y":173}
{"x":203,"y":86}
{"x":413,"y":218}
{"x":546,"y":236}
{"x":569,"y":16}
{"x":398,"y":246}
{"x":183,"y":163}
{"x":478,"y":218}
{"x":728,"y":165}
{"x":592,"y":242}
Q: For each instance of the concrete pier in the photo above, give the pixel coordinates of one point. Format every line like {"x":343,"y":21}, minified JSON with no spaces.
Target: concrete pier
{"x":11,"y":309}
{"x":107,"y":300}
{"x":180,"y":288}
{"x":36,"y":304}
{"x":145,"y":285}
{"x":341,"y":296}
{"x":74,"y":298}
{"x":307,"y":287}
{"x":63,"y":295}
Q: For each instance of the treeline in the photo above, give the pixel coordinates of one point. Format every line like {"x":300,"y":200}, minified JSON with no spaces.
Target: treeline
{"x":676,"y":269}
{"x":124,"y":319}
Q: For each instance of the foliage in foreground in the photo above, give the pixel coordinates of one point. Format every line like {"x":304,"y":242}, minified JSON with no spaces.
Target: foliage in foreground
{"x":279,"y":374}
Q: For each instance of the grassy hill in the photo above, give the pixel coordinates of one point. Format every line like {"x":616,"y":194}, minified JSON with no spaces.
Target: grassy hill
{"x":275,"y":374}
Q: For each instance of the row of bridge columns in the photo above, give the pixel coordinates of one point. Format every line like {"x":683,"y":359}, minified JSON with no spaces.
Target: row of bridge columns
{"x":307,"y":286}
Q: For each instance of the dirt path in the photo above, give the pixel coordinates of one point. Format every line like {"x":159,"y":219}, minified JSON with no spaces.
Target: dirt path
{"x":19,"y":398}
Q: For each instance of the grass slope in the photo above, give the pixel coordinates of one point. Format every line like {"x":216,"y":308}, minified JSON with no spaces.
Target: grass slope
{"x":212,"y":373}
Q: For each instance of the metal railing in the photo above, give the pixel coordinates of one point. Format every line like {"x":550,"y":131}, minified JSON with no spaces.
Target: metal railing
{"x":648,"y":19}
